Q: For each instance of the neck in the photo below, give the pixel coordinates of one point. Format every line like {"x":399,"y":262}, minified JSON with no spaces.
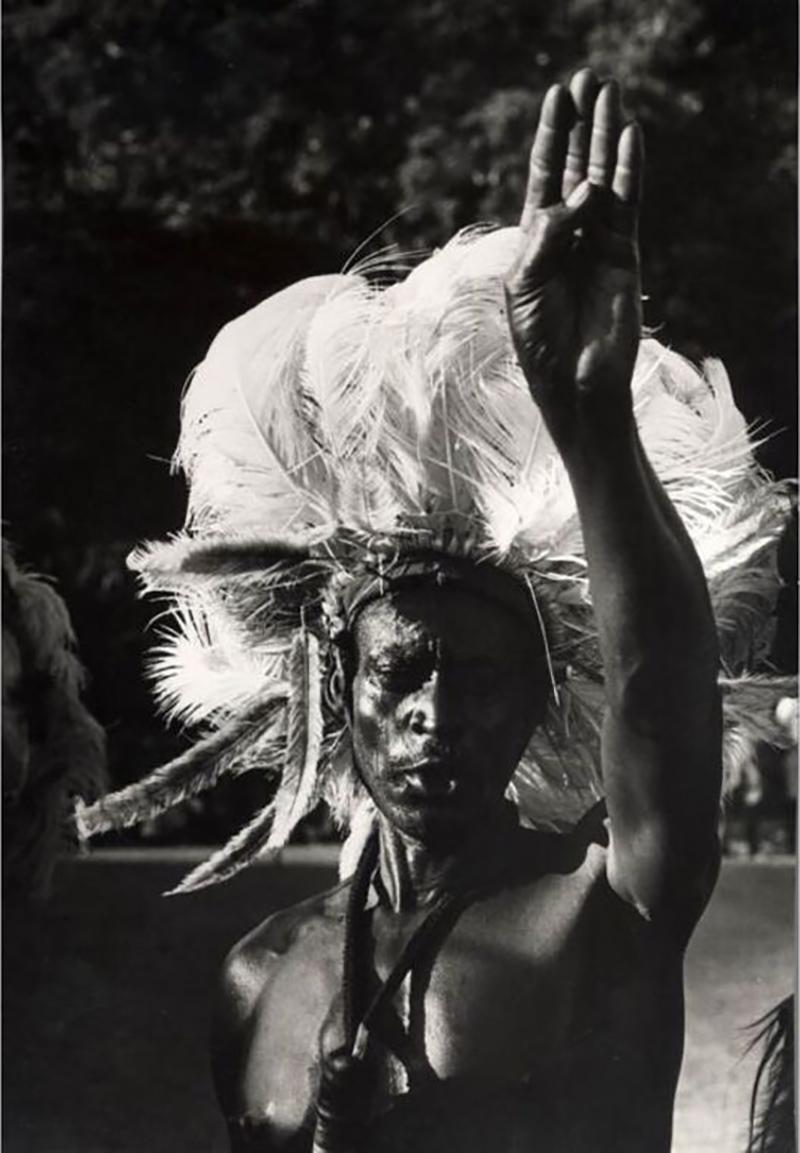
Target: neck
{"x":413,"y":874}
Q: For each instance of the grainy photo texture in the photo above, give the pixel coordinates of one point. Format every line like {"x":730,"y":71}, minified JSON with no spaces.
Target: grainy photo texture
{"x":399,"y":577}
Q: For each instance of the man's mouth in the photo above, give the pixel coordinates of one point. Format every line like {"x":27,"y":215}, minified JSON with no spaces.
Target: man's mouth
{"x":428,"y":779}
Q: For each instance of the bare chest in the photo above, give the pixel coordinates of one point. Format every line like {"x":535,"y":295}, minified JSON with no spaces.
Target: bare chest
{"x":507,"y":998}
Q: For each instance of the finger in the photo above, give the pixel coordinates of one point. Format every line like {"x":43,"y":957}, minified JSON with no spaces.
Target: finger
{"x":605,"y":134}
{"x":628,"y":178}
{"x":583,"y":87}
{"x":552,"y":236}
{"x":629,"y":169}
{"x":548,"y":152}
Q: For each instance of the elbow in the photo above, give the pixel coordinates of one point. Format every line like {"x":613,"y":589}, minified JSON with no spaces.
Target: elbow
{"x":669,"y":881}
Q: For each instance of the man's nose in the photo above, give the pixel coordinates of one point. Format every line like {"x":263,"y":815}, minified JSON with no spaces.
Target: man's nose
{"x":429,"y":711}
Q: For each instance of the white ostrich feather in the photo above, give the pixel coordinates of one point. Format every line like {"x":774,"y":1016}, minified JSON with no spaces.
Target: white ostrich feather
{"x":66,"y":747}
{"x":183,"y":561}
{"x":344,"y":368}
{"x":204,"y":670}
{"x":340,"y":405}
{"x":231,"y":749}
{"x":240,"y":851}
{"x":246,"y":444}
{"x":304,"y":732}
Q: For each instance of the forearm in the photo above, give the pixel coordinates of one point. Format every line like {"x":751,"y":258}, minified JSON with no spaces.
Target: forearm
{"x":662,"y":731}
{"x":654,"y":619}
{"x":574,"y":306}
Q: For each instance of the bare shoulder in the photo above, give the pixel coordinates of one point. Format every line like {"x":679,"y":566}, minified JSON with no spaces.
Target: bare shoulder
{"x":565,"y":874}
{"x":579,"y":865}
{"x":254,"y":959}
{"x":579,"y":854}
{"x":312,"y":927}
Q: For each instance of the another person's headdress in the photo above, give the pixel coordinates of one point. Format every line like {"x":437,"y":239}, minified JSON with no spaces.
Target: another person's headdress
{"x":53,"y":748}
{"x":347,"y":434}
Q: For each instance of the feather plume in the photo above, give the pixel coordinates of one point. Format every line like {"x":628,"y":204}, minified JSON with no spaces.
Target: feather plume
{"x":558,"y":777}
{"x":205,"y":671}
{"x":304,"y":730}
{"x":410,"y":403}
{"x":749,"y":704}
{"x":343,"y":369}
{"x":215,"y":559}
{"x":234,"y":748}
{"x":271,"y":827}
{"x":67,"y":755}
{"x":341,"y":412}
{"x":247,"y":444}
{"x":240,"y":851}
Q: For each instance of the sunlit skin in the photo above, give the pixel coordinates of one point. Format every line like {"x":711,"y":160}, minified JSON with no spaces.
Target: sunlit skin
{"x":551,"y":1018}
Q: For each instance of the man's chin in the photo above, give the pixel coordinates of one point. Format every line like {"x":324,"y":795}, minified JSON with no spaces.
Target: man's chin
{"x":436,"y":824}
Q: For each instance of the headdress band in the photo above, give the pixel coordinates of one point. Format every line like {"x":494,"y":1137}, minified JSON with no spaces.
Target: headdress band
{"x":483,"y":580}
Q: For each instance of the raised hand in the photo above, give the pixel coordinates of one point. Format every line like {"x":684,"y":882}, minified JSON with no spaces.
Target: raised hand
{"x":574,"y":298}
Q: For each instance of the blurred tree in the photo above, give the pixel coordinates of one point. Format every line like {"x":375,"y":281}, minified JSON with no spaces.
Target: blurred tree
{"x":167,"y":165}
{"x":319,"y":120}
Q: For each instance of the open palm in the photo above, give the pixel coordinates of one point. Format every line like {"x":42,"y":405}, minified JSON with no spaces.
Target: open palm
{"x":574,"y":293}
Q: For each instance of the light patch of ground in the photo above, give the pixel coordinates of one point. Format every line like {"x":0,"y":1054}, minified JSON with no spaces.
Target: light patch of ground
{"x":740,"y":963}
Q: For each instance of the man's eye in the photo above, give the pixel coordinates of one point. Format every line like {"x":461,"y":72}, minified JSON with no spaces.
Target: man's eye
{"x":398,"y":675}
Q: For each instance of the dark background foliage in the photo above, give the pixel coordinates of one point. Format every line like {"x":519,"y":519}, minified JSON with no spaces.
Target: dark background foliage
{"x":167,"y":165}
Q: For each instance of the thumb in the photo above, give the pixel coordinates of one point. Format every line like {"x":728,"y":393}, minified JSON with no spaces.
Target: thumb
{"x":561,"y":221}
{"x":580,"y":197}
{"x":547,"y":242}
{"x":587,"y":202}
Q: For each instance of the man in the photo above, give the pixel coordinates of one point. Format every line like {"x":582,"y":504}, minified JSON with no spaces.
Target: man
{"x":474,"y":985}
{"x":552,"y":1015}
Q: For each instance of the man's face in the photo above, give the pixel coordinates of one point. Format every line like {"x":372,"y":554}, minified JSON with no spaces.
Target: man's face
{"x":446,"y":693}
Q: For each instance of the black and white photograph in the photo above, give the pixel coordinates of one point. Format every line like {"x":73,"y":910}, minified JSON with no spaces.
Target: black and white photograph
{"x":400,"y":638}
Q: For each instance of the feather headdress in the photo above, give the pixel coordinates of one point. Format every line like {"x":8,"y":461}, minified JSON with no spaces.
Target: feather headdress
{"x":342,"y":425}
{"x":53,"y":747}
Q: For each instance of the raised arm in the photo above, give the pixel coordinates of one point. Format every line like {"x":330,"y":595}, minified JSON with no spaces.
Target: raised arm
{"x":575,"y":314}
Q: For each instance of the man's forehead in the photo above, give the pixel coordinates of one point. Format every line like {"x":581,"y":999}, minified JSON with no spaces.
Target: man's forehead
{"x":384,"y":625}
{"x":429,"y":615}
